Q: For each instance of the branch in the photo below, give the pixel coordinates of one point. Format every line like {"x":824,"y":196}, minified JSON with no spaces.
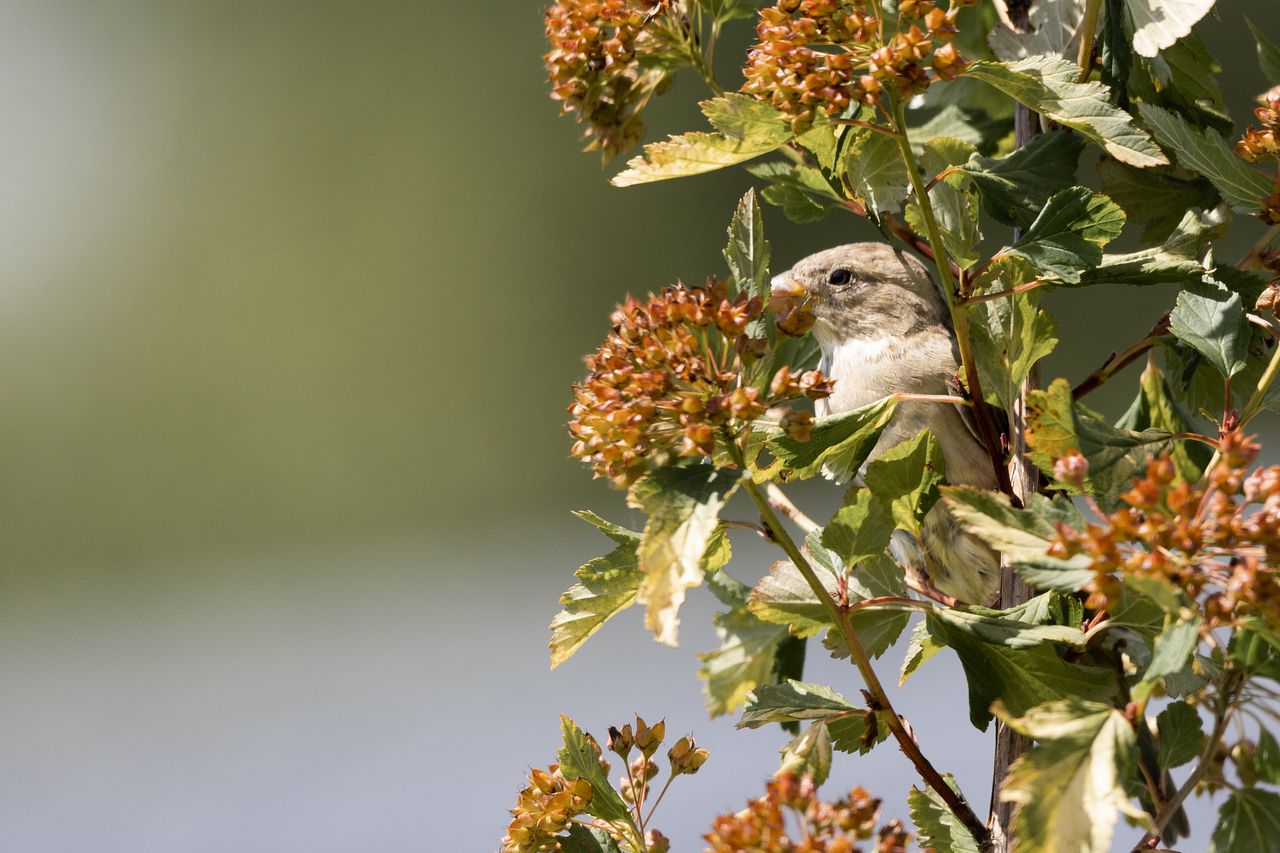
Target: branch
{"x":783,"y":504}
{"x":1117,"y":362}
{"x":840,"y":618}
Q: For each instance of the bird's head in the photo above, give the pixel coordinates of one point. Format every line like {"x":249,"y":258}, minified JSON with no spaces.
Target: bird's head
{"x":862,"y":290}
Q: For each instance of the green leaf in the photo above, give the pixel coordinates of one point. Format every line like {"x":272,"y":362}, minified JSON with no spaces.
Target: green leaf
{"x":746,"y":128}
{"x":608,"y":585}
{"x":1015,"y":663}
{"x":792,"y":701}
{"x":748,"y":251}
{"x":1056,"y":425}
{"x":1205,"y":152}
{"x":1009,"y":336}
{"x":748,"y":657}
{"x":1268,"y":54}
{"x":956,"y":122}
{"x":1173,"y":647}
{"x":860,"y":732}
{"x":1175,"y":260}
{"x":801,"y":191}
{"x":1266,"y":758}
{"x":874,"y":167}
{"x":937,"y":827}
{"x":954,"y":199}
{"x":839,"y":442}
{"x":583,"y":839}
{"x":1256,"y":649}
{"x":1048,"y":86}
{"x":1015,"y":188}
{"x":1210,"y":317}
{"x":1052,"y":28}
{"x":1156,"y":408}
{"x":920,"y":647}
{"x":860,"y":529}
{"x":1157,"y":24}
{"x":1181,"y":735}
{"x":1157,"y":199}
{"x":784,"y":597}
{"x":1071,"y":788}
{"x":1022,"y":535}
{"x":723,"y":11}
{"x":906,"y":477}
{"x":808,"y":754}
{"x":1181,"y":79}
{"x":1068,"y":235}
{"x":580,"y":759}
{"x":1248,"y":822}
{"x":683,"y":505}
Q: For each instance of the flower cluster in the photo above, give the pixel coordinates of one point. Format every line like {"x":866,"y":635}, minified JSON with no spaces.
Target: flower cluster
{"x":668,"y":382}
{"x":544,"y":810}
{"x":821,"y":56}
{"x":824,"y":827}
{"x":1220,"y":544}
{"x":1263,"y":143}
{"x":594,"y":65}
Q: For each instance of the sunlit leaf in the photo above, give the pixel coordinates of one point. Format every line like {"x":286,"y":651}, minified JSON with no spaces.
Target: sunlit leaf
{"x":1205,"y":152}
{"x":607,"y":586}
{"x":1068,"y":236}
{"x":1248,"y":822}
{"x":876,"y":171}
{"x":839,"y":442}
{"x":808,"y":754}
{"x":580,"y":759}
{"x":937,"y":826}
{"x":1157,"y":24}
{"x":906,"y":477}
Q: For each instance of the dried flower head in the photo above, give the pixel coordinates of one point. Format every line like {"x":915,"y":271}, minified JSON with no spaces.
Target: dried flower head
{"x":595,"y":65}
{"x":820,"y":56}
{"x":544,"y":810}
{"x":1219,"y":544}
{"x":668,"y":382}
{"x":1262,"y":143}
{"x":825,"y":827}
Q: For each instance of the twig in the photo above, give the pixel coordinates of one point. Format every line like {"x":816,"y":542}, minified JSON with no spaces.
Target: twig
{"x":1084,"y":57}
{"x":869,"y":125}
{"x":1000,"y":294}
{"x":783,"y":504}
{"x":1117,"y":362}
{"x":747,"y":525}
{"x":840,"y":617}
{"x":1253,"y":257}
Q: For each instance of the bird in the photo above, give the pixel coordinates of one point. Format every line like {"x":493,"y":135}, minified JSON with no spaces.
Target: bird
{"x":883,"y":327}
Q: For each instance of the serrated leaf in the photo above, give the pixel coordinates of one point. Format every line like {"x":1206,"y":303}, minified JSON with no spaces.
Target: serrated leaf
{"x":1070,"y":789}
{"x":1016,"y":187}
{"x":792,"y":701}
{"x":937,"y":827}
{"x":1181,"y":735}
{"x":1156,"y":408}
{"x":955,"y":122}
{"x":1157,"y":199}
{"x":808,"y":754}
{"x":609,"y":586}
{"x":584,"y":839}
{"x":906,"y":477}
{"x":748,"y":251}
{"x":1068,"y":236}
{"x":842,"y":442}
{"x":1266,"y":757}
{"x":1248,"y":822}
{"x":1015,"y":663}
{"x":1009,"y":336}
{"x":1204,"y":151}
{"x":1181,"y":79}
{"x":580,"y":760}
{"x":1268,"y":54}
{"x":954,"y":200}
{"x":1177,"y":260}
{"x":1022,"y":535}
{"x":1057,"y":425}
{"x":1048,"y":86}
{"x":920,"y":647}
{"x":1172,"y":648}
{"x":797,"y":204}
{"x":1157,"y":24}
{"x":876,"y":171}
{"x":747,"y":658}
{"x":1210,"y":317}
{"x":860,"y":529}
{"x":1052,"y":28}
{"x":683,"y":505}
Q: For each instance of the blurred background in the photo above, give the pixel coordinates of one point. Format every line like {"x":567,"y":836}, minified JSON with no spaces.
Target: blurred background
{"x":293,"y":295}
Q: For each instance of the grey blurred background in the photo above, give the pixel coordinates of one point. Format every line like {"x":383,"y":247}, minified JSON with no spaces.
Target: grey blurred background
{"x":293,"y":294}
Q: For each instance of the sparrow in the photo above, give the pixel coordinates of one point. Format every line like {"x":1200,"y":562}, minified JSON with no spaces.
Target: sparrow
{"x":883,"y":328}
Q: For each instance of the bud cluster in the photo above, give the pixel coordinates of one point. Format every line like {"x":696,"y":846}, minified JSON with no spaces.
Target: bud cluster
{"x":544,"y":810}
{"x":1220,"y":544}
{"x":595,"y":69}
{"x":822,"y":56}
{"x":668,"y":382}
{"x":824,"y":827}
{"x":1260,"y":144}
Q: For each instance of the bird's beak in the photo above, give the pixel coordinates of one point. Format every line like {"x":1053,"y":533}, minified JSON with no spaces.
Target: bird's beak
{"x":784,"y":285}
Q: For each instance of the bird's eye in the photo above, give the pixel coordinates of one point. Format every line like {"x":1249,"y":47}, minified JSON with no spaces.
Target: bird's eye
{"x":840,"y":276}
